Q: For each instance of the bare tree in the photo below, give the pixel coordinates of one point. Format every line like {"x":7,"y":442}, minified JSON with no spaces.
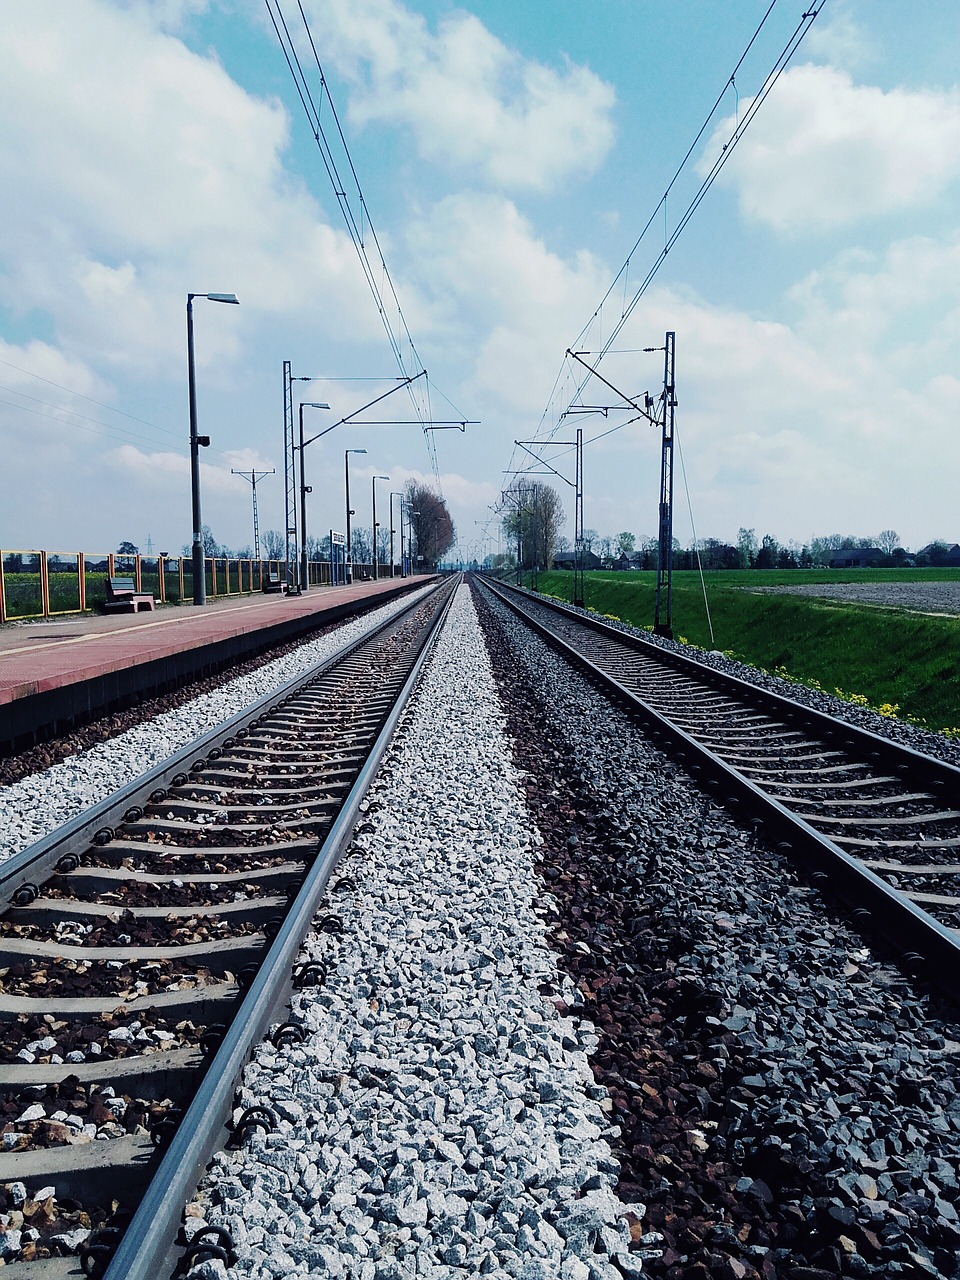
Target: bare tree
{"x":433,"y":531}
{"x":888,"y":541}
{"x":272,"y":545}
{"x":362,"y":540}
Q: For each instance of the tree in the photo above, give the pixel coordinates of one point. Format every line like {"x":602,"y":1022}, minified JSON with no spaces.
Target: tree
{"x":590,"y":536}
{"x":211,"y":548}
{"x":715,"y":554}
{"x":432,"y":530}
{"x":533,"y":519}
{"x":626,"y":543}
{"x":888,"y":541}
{"x":746,"y":547}
{"x":768,"y":554}
{"x":272,"y":545}
{"x":383,"y":545}
{"x":127,"y":549}
{"x":362,"y":539}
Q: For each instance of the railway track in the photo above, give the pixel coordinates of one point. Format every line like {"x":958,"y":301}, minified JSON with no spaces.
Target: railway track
{"x":147,"y":945}
{"x":875,"y":822}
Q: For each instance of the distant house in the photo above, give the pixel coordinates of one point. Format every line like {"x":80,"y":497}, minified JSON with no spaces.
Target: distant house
{"x":568,"y":560}
{"x":938,"y":556}
{"x":856,"y":558}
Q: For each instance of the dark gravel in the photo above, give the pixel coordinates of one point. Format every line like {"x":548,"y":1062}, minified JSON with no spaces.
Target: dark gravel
{"x":930,"y":743}
{"x":36,"y":759}
{"x":789,"y":1103}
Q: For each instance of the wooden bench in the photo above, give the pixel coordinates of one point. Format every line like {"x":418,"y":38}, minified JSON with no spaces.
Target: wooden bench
{"x":271,"y":582}
{"x":122,"y":596}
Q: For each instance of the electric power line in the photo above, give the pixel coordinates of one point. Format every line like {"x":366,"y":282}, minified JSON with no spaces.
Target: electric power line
{"x":356,"y":216}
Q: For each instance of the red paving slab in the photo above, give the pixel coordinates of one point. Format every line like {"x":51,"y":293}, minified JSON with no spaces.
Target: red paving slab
{"x":38,"y":657}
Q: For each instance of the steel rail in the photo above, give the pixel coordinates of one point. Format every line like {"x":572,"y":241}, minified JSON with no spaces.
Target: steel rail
{"x":925,"y":946}
{"x":37,"y":862}
{"x":875,"y":747}
{"x":148,"y":1248}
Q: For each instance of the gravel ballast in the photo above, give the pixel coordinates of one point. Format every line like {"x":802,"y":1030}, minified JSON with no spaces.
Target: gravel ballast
{"x":37,"y":805}
{"x":918,"y":739}
{"x":441,"y":1118}
{"x":790,"y":1103}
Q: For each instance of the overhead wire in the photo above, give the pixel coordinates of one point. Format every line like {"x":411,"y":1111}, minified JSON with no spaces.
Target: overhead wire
{"x":359,"y":224}
{"x":808,"y":16}
{"x":80,"y":395}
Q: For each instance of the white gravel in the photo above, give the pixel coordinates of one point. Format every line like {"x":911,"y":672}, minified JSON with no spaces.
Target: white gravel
{"x":37,"y":805}
{"x":441,"y":1118}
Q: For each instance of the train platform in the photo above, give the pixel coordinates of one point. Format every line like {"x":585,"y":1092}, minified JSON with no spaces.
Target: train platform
{"x":64,"y":671}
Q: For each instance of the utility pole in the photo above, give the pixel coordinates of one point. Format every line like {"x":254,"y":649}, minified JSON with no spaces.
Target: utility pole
{"x":578,"y":594}
{"x":253,"y":477}
{"x":289,"y":477}
{"x":291,"y":543}
{"x":663,"y":612}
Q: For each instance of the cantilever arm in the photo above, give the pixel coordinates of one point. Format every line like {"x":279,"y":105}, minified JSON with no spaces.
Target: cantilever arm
{"x":544,"y":462}
{"x":404,"y":382}
{"x":641,"y":409}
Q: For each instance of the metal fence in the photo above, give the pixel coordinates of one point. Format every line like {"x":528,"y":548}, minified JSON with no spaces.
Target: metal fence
{"x":45,"y":584}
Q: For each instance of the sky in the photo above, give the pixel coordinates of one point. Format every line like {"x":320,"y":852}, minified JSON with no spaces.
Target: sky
{"x":510,"y":155}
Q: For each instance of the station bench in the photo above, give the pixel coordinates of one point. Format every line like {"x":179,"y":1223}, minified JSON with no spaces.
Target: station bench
{"x":122,"y":596}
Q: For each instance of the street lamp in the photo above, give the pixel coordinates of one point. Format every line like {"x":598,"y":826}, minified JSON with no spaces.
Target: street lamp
{"x":346,"y":475}
{"x":376,"y":561}
{"x":410,"y":512}
{"x":392,"y":557}
{"x":199,"y":570}
{"x":304,"y":490}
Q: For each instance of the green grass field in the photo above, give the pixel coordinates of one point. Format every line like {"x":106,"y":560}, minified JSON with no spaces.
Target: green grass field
{"x":887,"y":656}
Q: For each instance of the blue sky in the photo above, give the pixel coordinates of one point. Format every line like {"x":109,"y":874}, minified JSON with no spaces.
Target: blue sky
{"x":509,"y":154}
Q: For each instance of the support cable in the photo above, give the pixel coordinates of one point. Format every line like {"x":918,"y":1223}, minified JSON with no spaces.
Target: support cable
{"x":359,"y":224}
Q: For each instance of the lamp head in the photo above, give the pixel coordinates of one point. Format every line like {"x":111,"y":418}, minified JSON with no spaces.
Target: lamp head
{"x":223,"y":297}
{"x":314,"y":404}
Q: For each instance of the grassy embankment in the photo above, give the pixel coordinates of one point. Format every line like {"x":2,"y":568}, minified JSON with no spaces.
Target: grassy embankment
{"x":887,"y":657}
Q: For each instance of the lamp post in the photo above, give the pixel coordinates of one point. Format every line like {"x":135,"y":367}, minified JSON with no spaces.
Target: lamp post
{"x":199,"y":571}
{"x":304,"y":490}
{"x":392,"y":557}
{"x":410,"y":512}
{"x":376,"y":560}
{"x":346,"y":476}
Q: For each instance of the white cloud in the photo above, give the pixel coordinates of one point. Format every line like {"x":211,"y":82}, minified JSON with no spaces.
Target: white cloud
{"x":840,"y":41}
{"x":142,"y":170}
{"x":470,"y":101}
{"x":522,"y":301}
{"x":900,"y":307}
{"x":824,"y":152}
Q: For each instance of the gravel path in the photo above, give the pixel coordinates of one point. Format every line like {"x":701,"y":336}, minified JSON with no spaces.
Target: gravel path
{"x":790,"y":1104}
{"x":38,"y":804}
{"x":923,"y":597}
{"x":441,"y":1119}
